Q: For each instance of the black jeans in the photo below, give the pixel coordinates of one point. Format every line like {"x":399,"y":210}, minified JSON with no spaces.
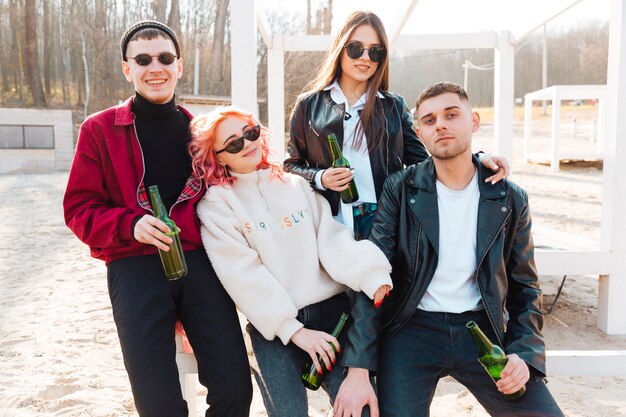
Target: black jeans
{"x":145,"y":309}
{"x":433,"y":345}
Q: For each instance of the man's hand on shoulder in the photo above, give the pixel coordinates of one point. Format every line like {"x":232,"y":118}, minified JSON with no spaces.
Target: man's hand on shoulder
{"x":355,"y":392}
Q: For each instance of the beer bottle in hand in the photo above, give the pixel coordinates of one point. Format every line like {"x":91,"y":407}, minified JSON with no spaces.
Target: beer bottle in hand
{"x":492,"y":358}
{"x":350,"y":194}
{"x":311,"y":378}
{"x":173,"y":260}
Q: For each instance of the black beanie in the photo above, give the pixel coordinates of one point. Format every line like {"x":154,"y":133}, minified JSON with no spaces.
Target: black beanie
{"x":144,"y":24}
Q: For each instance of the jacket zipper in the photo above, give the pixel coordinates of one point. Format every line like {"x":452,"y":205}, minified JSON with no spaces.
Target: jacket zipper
{"x":143,"y":174}
{"x":480,"y":288}
{"x":314,"y":131}
{"x":143,"y":167}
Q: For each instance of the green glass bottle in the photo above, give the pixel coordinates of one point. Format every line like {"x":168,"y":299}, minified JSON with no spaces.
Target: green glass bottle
{"x":173,"y":261}
{"x":311,"y":378}
{"x":492,"y":358}
{"x":350,"y":194}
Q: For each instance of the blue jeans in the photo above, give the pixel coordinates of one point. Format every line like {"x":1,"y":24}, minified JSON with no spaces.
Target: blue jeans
{"x":363,"y":215}
{"x":280,"y":366}
{"x":433,"y":345}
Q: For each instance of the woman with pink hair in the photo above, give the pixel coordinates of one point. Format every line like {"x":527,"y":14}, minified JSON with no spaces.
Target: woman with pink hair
{"x":280,"y":255}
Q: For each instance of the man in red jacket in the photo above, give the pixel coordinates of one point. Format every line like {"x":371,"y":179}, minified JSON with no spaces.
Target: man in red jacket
{"x":120,"y":152}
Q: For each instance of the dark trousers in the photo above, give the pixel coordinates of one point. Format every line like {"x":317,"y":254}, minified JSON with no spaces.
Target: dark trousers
{"x":145,"y":309}
{"x":433,"y":345}
{"x":280,"y":366}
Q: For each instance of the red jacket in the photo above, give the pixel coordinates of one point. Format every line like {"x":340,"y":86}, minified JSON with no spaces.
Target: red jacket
{"x":105,"y":190}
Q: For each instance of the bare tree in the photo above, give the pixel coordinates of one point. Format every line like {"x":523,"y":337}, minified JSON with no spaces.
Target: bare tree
{"x":32,"y":66}
{"x":217,"y":51}
{"x":173,"y":19}
{"x":328,"y":18}
{"x":159,"y":8}
{"x":309,"y":27}
{"x":47,"y":42}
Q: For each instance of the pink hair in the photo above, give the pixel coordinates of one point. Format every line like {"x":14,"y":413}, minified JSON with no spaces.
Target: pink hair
{"x":202,"y":147}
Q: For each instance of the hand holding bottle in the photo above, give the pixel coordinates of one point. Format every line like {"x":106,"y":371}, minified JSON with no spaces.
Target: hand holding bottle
{"x":317,"y":343}
{"x":337,"y":179}
{"x":152,"y":231}
{"x":514,"y":375}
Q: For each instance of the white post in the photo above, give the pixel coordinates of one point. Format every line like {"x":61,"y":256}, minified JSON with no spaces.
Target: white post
{"x":243,"y":54}
{"x":556,"y":118}
{"x":528,"y":124}
{"x":196,"y":68}
{"x":504,"y":72}
{"x":613,"y":288}
{"x":544,"y":68}
{"x":600,"y":126}
{"x":276,"y":94}
{"x":466,"y":67}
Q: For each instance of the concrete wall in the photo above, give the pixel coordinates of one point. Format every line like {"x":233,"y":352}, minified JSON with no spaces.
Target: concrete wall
{"x":39,"y":160}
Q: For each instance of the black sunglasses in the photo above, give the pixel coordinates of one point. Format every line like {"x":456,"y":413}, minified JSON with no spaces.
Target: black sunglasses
{"x":237,"y":145}
{"x":165,"y":58}
{"x":355,"y":50}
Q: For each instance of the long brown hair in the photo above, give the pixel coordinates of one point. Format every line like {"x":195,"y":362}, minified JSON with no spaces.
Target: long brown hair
{"x":330,"y":70}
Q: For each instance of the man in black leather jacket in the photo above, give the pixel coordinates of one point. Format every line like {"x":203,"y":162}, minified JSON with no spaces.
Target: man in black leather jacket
{"x":461,"y":249}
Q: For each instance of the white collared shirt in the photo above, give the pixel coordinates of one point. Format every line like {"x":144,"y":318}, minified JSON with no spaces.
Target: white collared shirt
{"x":359,"y":158}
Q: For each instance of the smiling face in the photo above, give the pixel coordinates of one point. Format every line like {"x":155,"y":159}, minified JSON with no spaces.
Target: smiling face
{"x":446,"y":125}
{"x":359,"y":70}
{"x":155,"y":82}
{"x":244,"y":161}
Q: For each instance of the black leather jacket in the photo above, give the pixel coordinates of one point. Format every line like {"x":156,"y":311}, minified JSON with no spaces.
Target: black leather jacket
{"x":317,"y":115}
{"x":406,"y":229}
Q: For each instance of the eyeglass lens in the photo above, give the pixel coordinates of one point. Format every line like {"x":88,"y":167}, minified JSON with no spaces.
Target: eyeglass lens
{"x":355,"y":50}
{"x":165,"y":58}
{"x":237,"y":145}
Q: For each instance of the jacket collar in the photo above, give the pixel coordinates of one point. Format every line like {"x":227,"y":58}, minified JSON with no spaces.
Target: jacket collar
{"x":124,"y":115}
{"x":335,"y":86}
{"x":493,"y":206}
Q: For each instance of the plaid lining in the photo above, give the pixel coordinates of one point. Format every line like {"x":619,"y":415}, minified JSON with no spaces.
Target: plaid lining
{"x":192,"y":187}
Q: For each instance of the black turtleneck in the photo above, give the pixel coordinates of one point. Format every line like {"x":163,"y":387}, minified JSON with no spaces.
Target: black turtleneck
{"x":163,"y":133}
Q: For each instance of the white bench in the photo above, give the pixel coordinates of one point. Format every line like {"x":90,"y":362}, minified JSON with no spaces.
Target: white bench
{"x":187,"y":375}
{"x":559,"y":363}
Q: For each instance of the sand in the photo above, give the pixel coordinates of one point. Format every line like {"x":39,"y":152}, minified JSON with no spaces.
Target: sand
{"x":59,"y":352}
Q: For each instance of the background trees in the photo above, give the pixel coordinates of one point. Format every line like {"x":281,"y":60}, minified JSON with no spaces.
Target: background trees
{"x":65,"y":53}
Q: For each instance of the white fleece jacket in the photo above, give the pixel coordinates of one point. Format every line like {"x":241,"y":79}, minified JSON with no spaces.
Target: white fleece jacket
{"x":276,"y":248}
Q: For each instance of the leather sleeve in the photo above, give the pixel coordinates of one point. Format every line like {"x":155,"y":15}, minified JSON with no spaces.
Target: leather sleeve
{"x":523,"y":334}
{"x":361,"y":347}
{"x":297,"y":161}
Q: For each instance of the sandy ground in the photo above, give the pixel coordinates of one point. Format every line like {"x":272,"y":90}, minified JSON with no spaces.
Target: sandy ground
{"x":59,"y":352}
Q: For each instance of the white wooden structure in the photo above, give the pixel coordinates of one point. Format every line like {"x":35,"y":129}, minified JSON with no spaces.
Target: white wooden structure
{"x":558,"y":363}
{"x":556,"y":93}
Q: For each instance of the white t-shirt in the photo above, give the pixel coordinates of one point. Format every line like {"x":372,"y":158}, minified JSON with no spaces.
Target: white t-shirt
{"x":453,"y":288}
